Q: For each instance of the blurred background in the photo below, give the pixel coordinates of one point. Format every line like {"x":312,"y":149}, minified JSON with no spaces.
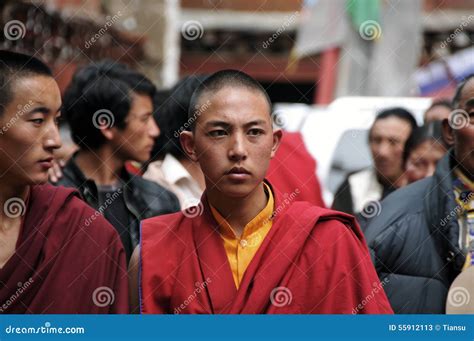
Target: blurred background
{"x":324,"y":63}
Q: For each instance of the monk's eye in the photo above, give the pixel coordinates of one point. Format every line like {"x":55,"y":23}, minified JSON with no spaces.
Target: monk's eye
{"x":255,"y":132}
{"x":217,"y":133}
{"x":37,"y":121}
{"x":146,"y":118}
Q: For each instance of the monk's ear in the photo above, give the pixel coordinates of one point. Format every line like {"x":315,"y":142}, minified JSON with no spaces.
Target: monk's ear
{"x":109,"y":133}
{"x":187,"y":142}
{"x":448,"y":133}
{"x":277,"y":136}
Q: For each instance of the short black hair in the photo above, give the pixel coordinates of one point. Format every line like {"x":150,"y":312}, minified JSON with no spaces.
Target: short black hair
{"x":459,"y":89}
{"x":220,"y":80}
{"x":430,"y":131}
{"x":400,"y":113}
{"x":13,"y":66}
{"x":441,"y":103}
{"x":105,"y":86}
{"x":171,"y":114}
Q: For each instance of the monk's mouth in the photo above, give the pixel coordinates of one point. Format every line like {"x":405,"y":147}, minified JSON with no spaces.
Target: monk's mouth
{"x":238,"y":170}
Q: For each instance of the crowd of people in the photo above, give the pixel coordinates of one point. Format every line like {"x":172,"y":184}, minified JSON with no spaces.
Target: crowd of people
{"x":191,"y":200}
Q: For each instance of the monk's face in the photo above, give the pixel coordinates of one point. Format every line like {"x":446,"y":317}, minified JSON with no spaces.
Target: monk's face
{"x":28,"y":131}
{"x":233,"y":140}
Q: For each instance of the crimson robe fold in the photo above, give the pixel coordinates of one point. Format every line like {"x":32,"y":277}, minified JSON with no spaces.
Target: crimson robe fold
{"x":313,"y":260}
{"x":68,"y":260}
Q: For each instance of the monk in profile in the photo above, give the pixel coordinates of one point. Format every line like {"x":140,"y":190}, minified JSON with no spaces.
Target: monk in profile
{"x":51,"y":260}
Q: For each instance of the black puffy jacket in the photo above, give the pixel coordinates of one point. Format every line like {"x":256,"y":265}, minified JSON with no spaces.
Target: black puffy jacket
{"x":414,"y":243}
{"x":143,"y":199}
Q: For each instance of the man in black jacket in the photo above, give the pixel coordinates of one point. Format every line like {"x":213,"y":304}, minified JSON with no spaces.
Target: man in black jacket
{"x":424,"y":232}
{"x":109,"y":110}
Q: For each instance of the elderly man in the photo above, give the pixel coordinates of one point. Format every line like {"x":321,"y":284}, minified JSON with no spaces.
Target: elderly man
{"x":424,"y":232}
{"x":387,"y":138}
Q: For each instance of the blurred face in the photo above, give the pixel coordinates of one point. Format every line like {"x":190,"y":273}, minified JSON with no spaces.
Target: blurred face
{"x":29,"y":132}
{"x":233,"y":141}
{"x":437,"y":113}
{"x":422,"y":161}
{"x":387,"y":140}
{"x":464,"y":137}
{"x":135,"y":142}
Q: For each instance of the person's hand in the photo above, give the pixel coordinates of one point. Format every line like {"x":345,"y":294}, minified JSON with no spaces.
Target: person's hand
{"x":55,"y":173}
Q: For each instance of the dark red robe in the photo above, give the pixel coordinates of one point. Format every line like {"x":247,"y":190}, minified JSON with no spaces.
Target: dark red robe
{"x":64,"y":262}
{"x":293,"y":171}
{"x":313,"y":260}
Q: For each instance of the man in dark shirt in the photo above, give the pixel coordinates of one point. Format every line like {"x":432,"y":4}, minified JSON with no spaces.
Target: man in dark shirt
{"x":110,"y":112}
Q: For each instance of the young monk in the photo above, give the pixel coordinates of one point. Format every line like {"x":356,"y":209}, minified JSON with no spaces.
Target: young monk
{"x":243,"y":249}
{"x":51,"y":261}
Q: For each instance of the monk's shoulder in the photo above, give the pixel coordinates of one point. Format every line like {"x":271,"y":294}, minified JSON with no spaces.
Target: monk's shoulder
{"x":163,"y":227}
{"x":327,"y":223}
{"x":340,"y":237}
{"x":77,"y":216}
{"x":171,"y":221}
{"x":335,"y":227}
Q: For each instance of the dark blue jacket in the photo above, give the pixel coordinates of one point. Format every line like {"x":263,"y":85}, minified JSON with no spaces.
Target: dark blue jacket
{"x":414,"y":242}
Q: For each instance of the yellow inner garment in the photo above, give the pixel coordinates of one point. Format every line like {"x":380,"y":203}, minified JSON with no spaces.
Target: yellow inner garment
{"x":240,"y":251}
